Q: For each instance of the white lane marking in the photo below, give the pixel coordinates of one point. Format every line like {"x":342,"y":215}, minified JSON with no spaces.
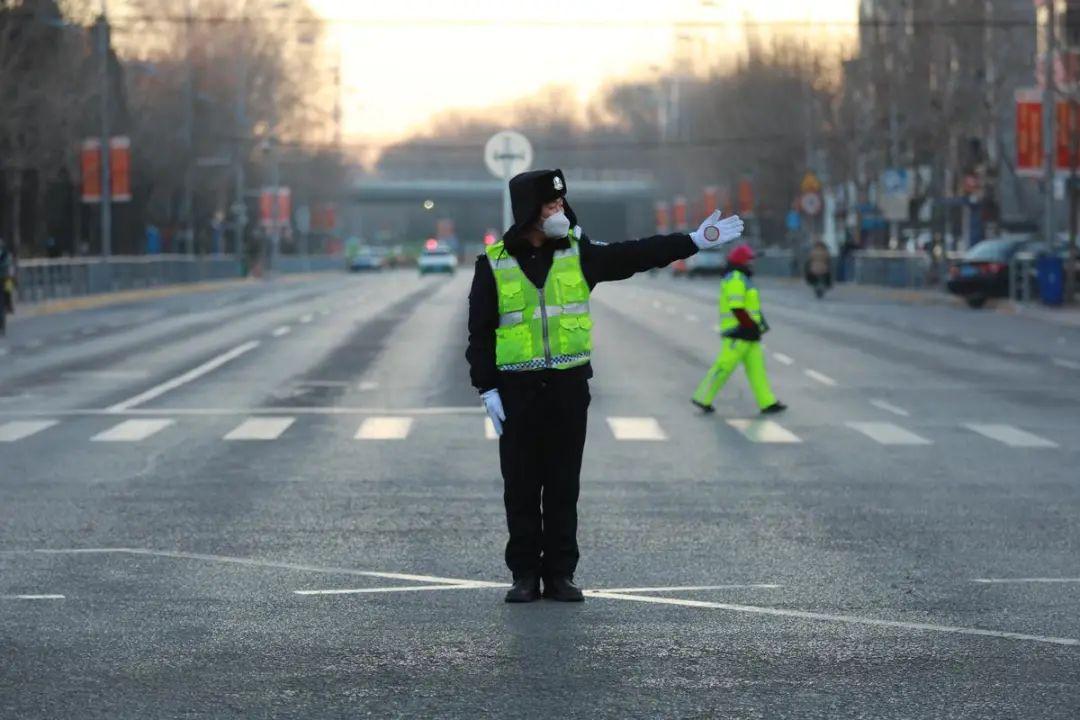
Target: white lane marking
{"x":656,"y":304}
{"x":193,"y":374}
{"x":489,"y":430}
{"x":32,"y":597}
{"x":820,"y":377}
{"x":716,"y":327}
{"x":636,"y":428}
{"x":889,"y":407}
{"x":783,"y":359}
{"x":404,"y":588}
{"x":307,"y":318}
{"x":324,"y":312}
{"x":265,"y":428}
{"x":108,"y":375}
{"x":281,"y":331}
{"x":20,"y":429}
{"x":670,"y":310}
{"x":34,"y":344}
{"x":1009,"y":581}
{"x":1068,"y":364}
{"x":851,"y":619}
{"x":691,"y":588}
{"x":132,"y":430}
{"x":367,"y":385}
{"x":1011,"y":436}
{"x":888,"y":434}
{"x":384,"y":428}
{"x":252,"y":562}
{"x":764,"y":431}
{"x":692,"y":317}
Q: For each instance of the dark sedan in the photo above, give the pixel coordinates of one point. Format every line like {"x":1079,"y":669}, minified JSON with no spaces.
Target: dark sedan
{"x":983,"y":272}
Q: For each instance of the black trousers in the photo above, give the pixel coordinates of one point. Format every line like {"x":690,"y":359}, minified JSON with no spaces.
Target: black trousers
{"x":540,"y":454}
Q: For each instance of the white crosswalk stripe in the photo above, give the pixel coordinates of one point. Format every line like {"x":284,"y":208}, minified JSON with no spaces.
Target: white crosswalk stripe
{"x":260,"y":428}
{"x":133,"y":430}
{"x":385,"y":428}
{"x":888,"y":434}
{"x":636,"y":428}
{"x":20,"y":429}
{"x":764,"y":431}
{"x":623,"y":429}
{"x":1011,"y":436}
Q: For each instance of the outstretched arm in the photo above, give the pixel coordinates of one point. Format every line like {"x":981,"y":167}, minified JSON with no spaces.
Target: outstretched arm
{"x":602,"y":263}
{"x":618,"y":261}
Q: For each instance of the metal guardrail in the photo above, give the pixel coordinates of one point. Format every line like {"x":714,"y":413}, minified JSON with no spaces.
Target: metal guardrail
{"x":54,"y":279}
{"x":891,"y":268}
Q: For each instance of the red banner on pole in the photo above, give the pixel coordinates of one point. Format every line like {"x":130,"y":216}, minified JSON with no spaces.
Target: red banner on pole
{"x":120,"y":169}
{"x":267,"y":214}
{"x":1029,"y":133}
{"x":680,"y":213}
{"x":663,"y":218}
{"x":90,"y":157}
{"x":746,"y":197}
{"x":712,"y":199}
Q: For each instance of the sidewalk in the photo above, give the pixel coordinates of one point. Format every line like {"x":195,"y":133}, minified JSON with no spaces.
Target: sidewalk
{"x":1068,"y":316}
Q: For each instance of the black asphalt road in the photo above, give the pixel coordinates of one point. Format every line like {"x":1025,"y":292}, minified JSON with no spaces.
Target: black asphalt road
{"x":183,"y":480}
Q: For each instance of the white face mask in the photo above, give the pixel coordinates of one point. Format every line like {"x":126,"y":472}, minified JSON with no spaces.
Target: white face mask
{"x":556,"y":226}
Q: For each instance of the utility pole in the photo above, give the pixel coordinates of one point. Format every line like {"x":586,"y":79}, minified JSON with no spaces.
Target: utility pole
{"x":189,"y":135}
{"x":106,"y":169}
{"x":239,"y":205}
{"x":1049,"y":110}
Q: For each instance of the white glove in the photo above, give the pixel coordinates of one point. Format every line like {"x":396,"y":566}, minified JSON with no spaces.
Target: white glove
{"x":493,"y":405}
{"x":715,"y":232}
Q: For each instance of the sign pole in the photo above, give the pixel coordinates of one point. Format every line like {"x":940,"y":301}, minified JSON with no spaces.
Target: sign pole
{"x":1049,"y":135}
{"x":506,"y":154}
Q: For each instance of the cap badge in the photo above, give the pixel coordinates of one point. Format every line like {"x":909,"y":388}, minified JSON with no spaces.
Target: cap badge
{"x":558,"y":183}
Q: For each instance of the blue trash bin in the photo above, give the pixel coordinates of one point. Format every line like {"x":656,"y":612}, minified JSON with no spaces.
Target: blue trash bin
{"x":1050,"y":271}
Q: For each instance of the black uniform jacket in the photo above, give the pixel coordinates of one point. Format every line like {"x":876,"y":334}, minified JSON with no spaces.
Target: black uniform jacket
{"x":599,"y":262}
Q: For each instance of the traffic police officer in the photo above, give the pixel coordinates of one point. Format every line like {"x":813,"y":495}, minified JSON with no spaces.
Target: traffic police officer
{"x":741,"y":327}
{"x":530,"y":344}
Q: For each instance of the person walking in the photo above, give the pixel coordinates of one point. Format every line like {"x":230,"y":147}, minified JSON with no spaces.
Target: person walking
{"x":7,"y":285}
{"x":529,"y":351}
{"x":741,"y":326}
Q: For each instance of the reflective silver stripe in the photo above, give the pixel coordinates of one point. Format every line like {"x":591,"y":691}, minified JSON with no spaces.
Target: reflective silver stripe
{"x":563,"y":254}
{"x":505,"y":262}
{"x":512,"y":318}
{"x":573,"y":309}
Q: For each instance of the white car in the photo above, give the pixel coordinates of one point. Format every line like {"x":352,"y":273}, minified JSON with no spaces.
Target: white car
{"x":437,"y":260}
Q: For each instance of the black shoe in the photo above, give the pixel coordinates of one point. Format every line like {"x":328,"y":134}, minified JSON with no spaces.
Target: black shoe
{"x":776,"y":407}
{"x":526,"y":589}
{"x":562,"y":589}
{"x":703,"y":407}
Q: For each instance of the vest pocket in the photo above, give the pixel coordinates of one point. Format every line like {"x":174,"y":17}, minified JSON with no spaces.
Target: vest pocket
{"x":511,"y":296}
{"x":572,"y":288}
{"x":575,"y":334}
{"x":513,"y":344}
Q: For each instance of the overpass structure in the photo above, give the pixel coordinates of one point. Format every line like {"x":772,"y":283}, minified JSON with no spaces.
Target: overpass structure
{"x":607,"y":209}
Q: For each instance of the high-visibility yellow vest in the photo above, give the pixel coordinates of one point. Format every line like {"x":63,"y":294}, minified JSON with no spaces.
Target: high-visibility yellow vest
{"x":737,"y":292}
{"x":541,"y":328}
